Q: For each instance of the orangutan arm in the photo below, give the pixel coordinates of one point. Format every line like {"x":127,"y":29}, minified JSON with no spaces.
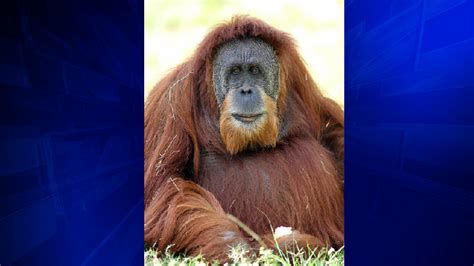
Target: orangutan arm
{"x":189,"y":218}
{"x":333,"y":131}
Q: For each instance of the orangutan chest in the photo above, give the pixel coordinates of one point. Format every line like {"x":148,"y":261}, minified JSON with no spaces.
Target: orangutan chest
{"x":289,"y":175}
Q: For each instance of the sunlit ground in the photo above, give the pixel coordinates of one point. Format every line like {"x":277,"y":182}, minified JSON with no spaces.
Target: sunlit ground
{"x":173,"y":29}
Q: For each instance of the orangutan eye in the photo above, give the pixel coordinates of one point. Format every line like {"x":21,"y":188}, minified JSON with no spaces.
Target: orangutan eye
{"x":235,"y":70}
{"x":254,"y":70}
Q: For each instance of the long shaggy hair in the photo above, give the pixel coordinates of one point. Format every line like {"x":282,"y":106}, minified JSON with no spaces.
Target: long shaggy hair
{"x":194,"y":173}
{"x":237,"y":138}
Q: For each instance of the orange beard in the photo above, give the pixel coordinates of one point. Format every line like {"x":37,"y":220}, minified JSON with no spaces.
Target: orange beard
{"x":238,"y":137}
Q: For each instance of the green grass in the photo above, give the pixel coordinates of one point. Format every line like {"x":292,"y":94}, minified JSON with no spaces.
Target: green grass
{"x":239,"y":256}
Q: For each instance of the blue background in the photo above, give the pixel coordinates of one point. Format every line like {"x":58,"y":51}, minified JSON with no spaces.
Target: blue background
{"x":71,"y":134}
{"x":71,"y":113}
{"x":409,"y":107}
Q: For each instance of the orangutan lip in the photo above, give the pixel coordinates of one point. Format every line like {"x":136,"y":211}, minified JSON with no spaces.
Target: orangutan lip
{"x":247,"y":118}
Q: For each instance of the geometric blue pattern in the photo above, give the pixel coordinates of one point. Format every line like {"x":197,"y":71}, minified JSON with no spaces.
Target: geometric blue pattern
{"x":409,"y":135}
{"x":71,"y":133}
{"x":71,"y":160}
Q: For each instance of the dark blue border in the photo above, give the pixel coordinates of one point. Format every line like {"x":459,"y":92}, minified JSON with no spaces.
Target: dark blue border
{"x":71,"y":161}
{"x":409,"y":176}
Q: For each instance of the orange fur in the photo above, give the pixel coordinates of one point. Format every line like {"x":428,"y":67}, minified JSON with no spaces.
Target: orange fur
{"x":195,"y":174}
{"x":237,"y":138}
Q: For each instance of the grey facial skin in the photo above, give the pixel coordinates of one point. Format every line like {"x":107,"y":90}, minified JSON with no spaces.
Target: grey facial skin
{"x":246,"y":69}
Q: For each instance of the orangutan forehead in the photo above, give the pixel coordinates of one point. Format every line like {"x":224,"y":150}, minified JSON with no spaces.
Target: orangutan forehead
{"x":247,"y":51}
